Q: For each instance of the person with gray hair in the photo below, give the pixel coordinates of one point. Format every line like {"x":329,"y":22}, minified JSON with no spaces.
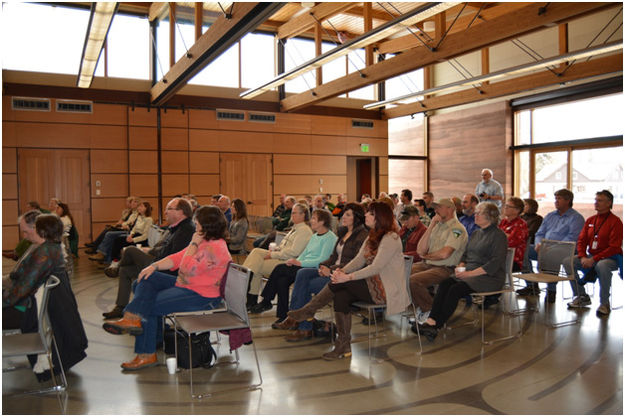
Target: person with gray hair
{"x":481,"y":269}
{"x":224,"y":205}
{"x":488,"y":189}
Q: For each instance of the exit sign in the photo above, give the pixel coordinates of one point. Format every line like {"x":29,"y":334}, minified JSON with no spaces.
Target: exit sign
{"x":364,"y":147}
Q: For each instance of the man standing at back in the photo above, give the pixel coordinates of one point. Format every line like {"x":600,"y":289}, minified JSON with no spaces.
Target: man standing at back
{"x":488,"y":189}
{"x":441,"y":248}
{"x":564,"y":224}
{"x":178,"y":214}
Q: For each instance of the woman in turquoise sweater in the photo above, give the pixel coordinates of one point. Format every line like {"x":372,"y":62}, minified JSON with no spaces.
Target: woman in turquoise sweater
{"x":318,"y":249}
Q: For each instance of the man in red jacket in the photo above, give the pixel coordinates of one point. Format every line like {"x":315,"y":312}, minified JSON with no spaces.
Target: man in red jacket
{"x":598,"y":246}
{"x":411,"y":231}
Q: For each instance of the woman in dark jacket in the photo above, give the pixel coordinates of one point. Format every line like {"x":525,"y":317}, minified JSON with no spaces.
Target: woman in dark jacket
{"x":484,"y":263}
{"x":308,"y":281}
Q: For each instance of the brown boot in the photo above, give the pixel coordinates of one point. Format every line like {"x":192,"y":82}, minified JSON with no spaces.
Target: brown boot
{"x":308,"y":311}
{"x":342,"y":348}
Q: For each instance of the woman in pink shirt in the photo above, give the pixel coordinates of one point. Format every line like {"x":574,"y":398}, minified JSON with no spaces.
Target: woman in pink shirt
{"x":201,"y":266}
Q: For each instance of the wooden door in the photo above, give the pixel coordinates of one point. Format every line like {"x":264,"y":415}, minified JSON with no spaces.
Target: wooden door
{"x":44,"y":174}
{"x":248,"y":177}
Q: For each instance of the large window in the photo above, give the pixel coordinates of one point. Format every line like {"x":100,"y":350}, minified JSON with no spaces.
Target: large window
{"x":257,"y":59}
{"x":589,"y":161}
{"x":406,"y":148}
{"x":32,"y":34}
{"x":128,"y":47}
{"x":296,"y":52}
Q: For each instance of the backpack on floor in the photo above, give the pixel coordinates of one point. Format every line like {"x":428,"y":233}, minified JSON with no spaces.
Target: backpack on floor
{"x":202,"y":351}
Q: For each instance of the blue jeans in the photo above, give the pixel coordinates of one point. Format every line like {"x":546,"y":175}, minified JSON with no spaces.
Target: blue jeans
{"x":106,"y":247}
{"x":307,"y":282}
{"x":156,"y":296}
{"x":603,"y":268}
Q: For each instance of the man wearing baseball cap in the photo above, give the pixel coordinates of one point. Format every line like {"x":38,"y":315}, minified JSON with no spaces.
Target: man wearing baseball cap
{"x":441,"y":248}
{"x":411,"y":231}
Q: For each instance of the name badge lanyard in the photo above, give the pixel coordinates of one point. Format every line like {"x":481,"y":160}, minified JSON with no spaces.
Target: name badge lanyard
{"x":596,"y":230}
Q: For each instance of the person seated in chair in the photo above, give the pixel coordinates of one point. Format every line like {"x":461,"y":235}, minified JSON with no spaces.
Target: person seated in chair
{"x":237,"y":229}
{"x":279,"y":223}
{"x":599,"y":252}
{"x":262,"y":262}
{"x":201,"y":267}
{"x":309,"y":281}
{"x":484,"y":264}
{"x":318,"y":249}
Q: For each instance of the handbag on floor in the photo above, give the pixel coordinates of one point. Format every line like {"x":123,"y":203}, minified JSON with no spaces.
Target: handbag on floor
{"x":203,"y":353}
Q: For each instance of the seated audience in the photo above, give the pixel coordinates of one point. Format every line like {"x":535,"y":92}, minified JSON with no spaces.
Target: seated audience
{"x":405,"y":199}
{"x":328,"y":202}
{"x":484,"y":260}
{"x":318,"y":249}
{"x":469,"y":203}
{"x":23,"y":244}
{"x":281,"y":207}
{"x":177,"y":237}
{"x":599,"y":252}
{"x":338,"y":209}
{"x":262,"y":261}
{"x":279,"y":223}
{"x":375,"y":275}
{"x":458,"y":203}
{"x":137,"y":236}
{"x":43,"y":258}
{"x":532,"y":219}
{"x":224,"y":205}
{"x":564,"y":224}
{"x":411,"y":232}
{"x":215,"y":199}
{"x":103,"y":252}
{"x":201,"y":266}
{"x":308,"y":281}
{"x":70,"y":235}
{"x":441,"y":247}
{"x":428,"y":197}
{"x":419,"y":203}
{"x":125,"y":223}
{"x":515,"y":229}
{"x":238,"y":227}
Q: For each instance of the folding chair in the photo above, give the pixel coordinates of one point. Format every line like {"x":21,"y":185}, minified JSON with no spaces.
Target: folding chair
{"x":22,"y":344}
{"x":155,"y":234}
{"x":551,"y":257}
{"x":371,"y":307}
{"x":479,"y":297}
{"x":234,"y":317}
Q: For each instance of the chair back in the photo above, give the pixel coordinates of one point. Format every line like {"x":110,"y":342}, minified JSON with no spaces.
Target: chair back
{"x":235,"y":293}
{"x":552,"y":254}
{"x":407,"y":270}
{"x":155,"y":234}
{"x":509,"y":266}
{"x":279,"y":237}
{"x":45,"y":327}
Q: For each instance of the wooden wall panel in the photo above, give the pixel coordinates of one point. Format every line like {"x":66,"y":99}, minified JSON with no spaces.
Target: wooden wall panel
{"x":464,"y":142}
{"x":144,"y":185}
{"x":332,"y":184}
{"x":174,"y":184}
{"x":291,"y":184}
{"x":107,"y":209}
{"x":41,"y":135}
{"x":9,"y":137}
{"x":104,"y":114}
{"x":292,"y":164}
{"x":9,"y":160}
{"x":174,"y":118}
{"x":203,"y":140}
{"x":384,"y":183}
{"x":10,"y":237}
{"x":142,"y":116}
{"x":292,"y":143}
{"x":9,"y":212}
{"x":328,"y":125}
{"x":248,"y":142}
{"x":109,"y":161}
{"x":379,"y":130}
{"x":329,"y":145}
{"x":143,"y":162}
{"x":111,"y":185}
{"x":174,"y":139}
{"x":377,"y":147}
{"x":140,"y":137}
{"x":204,"y":162}
{"x":383,"y":166}
{"x":336,"y":165}
{"x":175,"y":162}
{"x":293,"y":123}
{"x":204,"y":184}
{"x":9,"y":186}
{"x":203,"y":119}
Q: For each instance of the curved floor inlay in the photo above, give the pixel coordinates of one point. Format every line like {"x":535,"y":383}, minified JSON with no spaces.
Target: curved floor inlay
{"x":569,"y":370}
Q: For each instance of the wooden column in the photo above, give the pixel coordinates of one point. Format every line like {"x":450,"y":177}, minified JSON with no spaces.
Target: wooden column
{"x":198,"y":19}
{"x":318,"y":49}
{"x":563,"y":41}
{"x":368,"y":21}
{"x":172,"y":34}
{"x":485,"y":63}
{"x":441,"y":25}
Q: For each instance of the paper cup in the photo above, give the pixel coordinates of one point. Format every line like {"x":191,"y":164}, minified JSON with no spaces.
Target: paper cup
{"x":460,"y":269}
{"x":272,"y":246}
{"x":171,"y":365}
{"x":139,"y":245}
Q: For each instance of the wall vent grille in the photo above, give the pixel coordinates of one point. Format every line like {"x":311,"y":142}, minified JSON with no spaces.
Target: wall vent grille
{"x":30,"y":104}
{"x":362,"y":124}
{"x":265,"y":118}
{"x":66,"y":106}
{"x":230,"y":115}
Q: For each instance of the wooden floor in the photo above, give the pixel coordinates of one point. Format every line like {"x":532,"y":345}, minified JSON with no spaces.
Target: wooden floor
{"x":570,"y":370}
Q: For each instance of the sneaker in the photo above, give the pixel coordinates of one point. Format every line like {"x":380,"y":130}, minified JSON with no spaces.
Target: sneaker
{"x":423,"y":316}
{"x":529,"y":290}
{"x":112,"y":271}
{"x":603,"y":310}
{"x":580,"y":301}
{"x":261,"y":307}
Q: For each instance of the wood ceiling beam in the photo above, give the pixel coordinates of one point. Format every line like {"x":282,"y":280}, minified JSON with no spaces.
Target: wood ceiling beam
{"x":410,"y":41}
{"x":578,"y":71}
{"x":359,"y":11}
{"x":306,"y":21}
{"x":519,"y":22}
{"x":157,"y":10}
{"x":222,"y":34}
